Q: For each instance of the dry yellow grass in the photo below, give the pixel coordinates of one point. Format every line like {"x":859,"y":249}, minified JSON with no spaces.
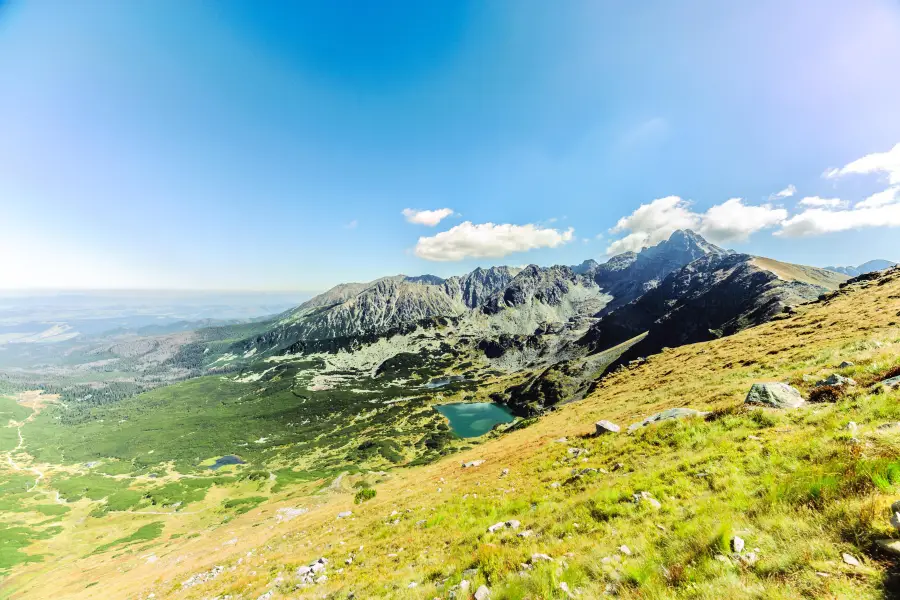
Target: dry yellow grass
{"x":859,"y":324}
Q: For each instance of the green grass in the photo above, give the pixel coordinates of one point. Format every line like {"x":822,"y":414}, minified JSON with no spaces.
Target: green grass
{"x":151,"y":531}
{"x":14,"y":539}
{"x":242,"y":505}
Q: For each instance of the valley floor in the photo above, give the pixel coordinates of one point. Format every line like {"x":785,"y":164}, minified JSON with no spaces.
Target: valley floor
{"x":807,"y":490}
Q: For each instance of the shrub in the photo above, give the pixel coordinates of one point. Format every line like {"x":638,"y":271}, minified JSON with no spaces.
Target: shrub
{"x":827,"y":393}
{"x":363,"y":495}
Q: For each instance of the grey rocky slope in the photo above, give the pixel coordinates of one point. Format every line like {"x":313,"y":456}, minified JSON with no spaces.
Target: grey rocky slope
{"x":867,"y":267}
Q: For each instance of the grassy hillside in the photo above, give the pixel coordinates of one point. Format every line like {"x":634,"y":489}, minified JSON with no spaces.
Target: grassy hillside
{"x":800,"y":487}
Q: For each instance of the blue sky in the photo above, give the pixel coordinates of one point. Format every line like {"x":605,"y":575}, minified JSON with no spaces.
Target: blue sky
{"x":246,"y":145}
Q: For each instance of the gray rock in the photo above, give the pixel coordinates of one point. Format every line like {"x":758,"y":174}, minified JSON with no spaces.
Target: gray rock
{"x":891,"y":383}
{"x":835,"y":379}
{"x":605,"y":426}
{"x":473,"y":463}
{"x":646,"y":498}
{"x":850,"y":559}
{"x":737,"y":544}
{"x":672,"y":413}
{"x":538,"y":557}
{"x":625,"y":550}
{"x":889,"y":546}
{"x":846,"y":364}
{"x":496,"y":527}
{"x":345,"y":514}
{"x":775,"y":395}
{"x":482,"y":593}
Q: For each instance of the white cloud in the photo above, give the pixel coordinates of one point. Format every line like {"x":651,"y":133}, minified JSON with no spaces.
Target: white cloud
{"x":879,"y":162}
{"x":785,"y":193}
{"x":818,"y":202}
{"x":730,"y":221}
{"x":882,"y":198}
{"x":429,"y":218}
{"x":816,"y":221}
{"x":487,"y":240}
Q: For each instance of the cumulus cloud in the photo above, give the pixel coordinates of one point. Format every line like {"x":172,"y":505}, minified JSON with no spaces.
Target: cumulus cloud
{"x":730,"y":221}
{"x":487,"y":240}
{"x":429,"y":218}
{"x":818,"y":202}
{"x":816,"y":221}
{"x":882,"y":198}
{"x":878,"y":162}
{"x":785,"y":193}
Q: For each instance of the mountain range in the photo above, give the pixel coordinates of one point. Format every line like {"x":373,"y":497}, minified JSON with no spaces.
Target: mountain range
{"x":867,"y":267}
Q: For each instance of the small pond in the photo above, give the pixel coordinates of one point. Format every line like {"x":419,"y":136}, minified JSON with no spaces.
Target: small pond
{"x":229,"y":459}
{"x":436,"y":383}
{"x":474,"y":419}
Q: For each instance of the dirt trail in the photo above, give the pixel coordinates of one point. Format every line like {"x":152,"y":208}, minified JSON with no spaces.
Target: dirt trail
{"x":35,"y":401}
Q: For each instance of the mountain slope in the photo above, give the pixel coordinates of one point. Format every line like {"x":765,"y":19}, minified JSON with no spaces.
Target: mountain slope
{"x":800,"y":488}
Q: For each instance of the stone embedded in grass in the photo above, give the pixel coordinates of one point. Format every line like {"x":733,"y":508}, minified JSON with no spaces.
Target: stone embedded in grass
{"x":737,"y":544}
{"x":473,"y":463}
{"x":504,"y":472}
{"x":646,"y":498}
{"x":345,"y":514}
{"x":775,"y":395}
{"x":835,"y":379}
{"x":482,"y":593}
{"x":625,"y":550}
{"x":672,"y":413}
{"x":526,"y":534}
{"x":846,"y":365}
{"x":605,"y":426}
{"x":889,"y":546}
{"x":892,"y":383}
{"x":539,"y":557}
{"x":850,"y":559}
{"x":512,"y":524}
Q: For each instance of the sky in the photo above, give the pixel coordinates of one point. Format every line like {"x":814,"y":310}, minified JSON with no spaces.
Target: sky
{"x":186,"y":144}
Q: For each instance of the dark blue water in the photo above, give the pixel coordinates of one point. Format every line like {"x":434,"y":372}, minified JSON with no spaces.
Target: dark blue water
{"x":474,"y":419}
{"x":229,"y":459}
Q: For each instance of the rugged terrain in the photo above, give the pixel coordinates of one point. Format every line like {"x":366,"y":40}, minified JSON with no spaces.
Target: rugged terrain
{"x":742,"y":502}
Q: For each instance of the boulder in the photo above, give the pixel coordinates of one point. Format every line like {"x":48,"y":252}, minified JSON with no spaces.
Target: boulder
{"x":889,"y":546}
{"x":605,"y":426}
{"x":892,"y":383}
{"x":672,"y":413}
{"x":835,"y":379}
{"x":774,"y":395}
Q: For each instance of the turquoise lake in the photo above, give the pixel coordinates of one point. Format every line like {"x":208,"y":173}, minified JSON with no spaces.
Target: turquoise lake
{"x":474,"y":419}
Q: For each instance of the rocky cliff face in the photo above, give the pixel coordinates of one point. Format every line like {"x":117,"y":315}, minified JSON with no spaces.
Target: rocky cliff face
{"x":628,"y":276}
{"x":716,"y":295}
{"x":473,"y":289}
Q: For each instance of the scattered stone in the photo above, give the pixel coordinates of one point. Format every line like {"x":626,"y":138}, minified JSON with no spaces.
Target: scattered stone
{"x":823,"y":574}
{"x":605,"y":426}
{"x":267,"y":596}
{"x":203,"y":577}
{"x":618,"y":466}
{"x":504,"y":472}
{"x":737,"y":544}
{"x":889,"y":546}
{"x":526,"y":534}
{"x":851,"y":427}
{"x":482,"y":593}
{"x":496,"y":527}
{"x":722,"y":559}
{"x":774,"y":395}
{"x":538,"y":557}
{"x":283,"y":515}
{"x":755,"y":438}
{"x":554,"y":485}
{"x":893,"y":425}
{"x":850,"y":559}
{"x":345,"y":514}
{"x":672,"y":413}
{"x":891,"y":383}
{"x":748,"y":559}
{"x":576,"y":452}
{"x":473,"y":463}
{"x":565,"y":588}
{"x":646,"y":497}
{"x":836,"y":380}
{"x":846,"y":365}
{"x":625,"y":550}
{"x":660,"y":527}
{"x":561,"y":440}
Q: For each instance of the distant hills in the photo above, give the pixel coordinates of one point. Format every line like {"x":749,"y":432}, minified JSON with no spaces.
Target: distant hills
{"x":867,"y":267}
